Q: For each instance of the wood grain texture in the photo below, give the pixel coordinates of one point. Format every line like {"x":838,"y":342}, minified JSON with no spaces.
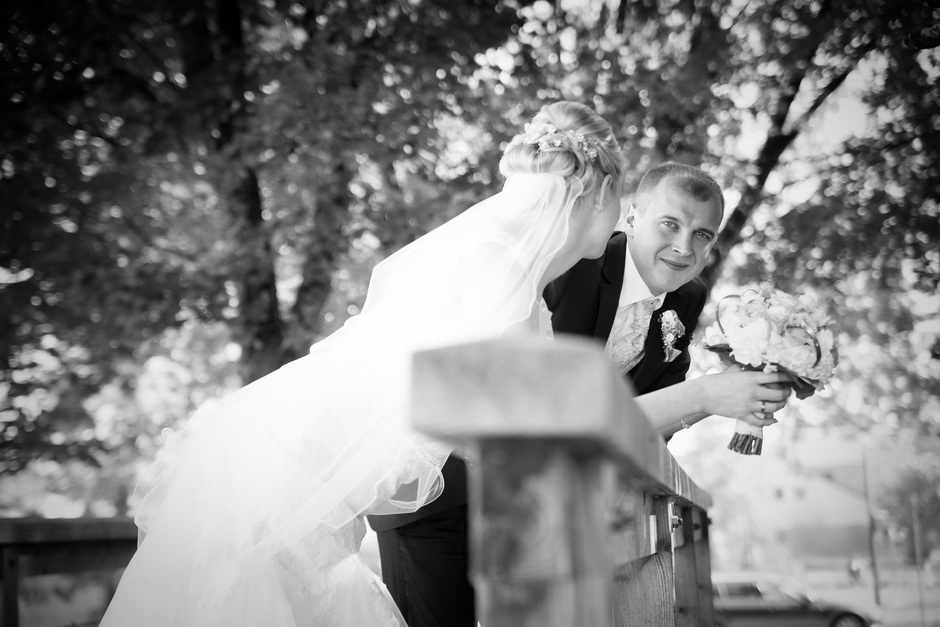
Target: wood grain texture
{"x":526,"y":387}
{"x":536,"y":508}
{"x":703,"y":566}
{"x":45,"y":530}
{"x":579,"y":514}
{"x":686,"y":583}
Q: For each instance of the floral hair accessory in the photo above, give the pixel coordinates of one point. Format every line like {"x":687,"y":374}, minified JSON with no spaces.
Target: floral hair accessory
{"x":770,"y":330}
{"x":548,"y":137}
{"x":673,"y":329}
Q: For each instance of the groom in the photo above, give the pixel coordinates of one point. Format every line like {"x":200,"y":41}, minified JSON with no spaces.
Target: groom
{"x":619,"y":299}
{"x":631,"y":298}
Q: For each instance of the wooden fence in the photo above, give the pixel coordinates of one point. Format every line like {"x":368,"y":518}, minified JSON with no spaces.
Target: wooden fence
{"x":39,"y":546}
{"x":579,"y":514}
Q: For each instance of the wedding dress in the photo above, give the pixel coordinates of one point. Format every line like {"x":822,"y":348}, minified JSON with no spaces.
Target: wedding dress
{"x":256,"y":514}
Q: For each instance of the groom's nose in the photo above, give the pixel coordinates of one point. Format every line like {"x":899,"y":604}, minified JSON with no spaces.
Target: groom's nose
{"x":682,"y":243}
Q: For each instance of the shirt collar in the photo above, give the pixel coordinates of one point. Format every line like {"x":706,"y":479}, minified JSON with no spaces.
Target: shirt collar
{"x":634,"y":288}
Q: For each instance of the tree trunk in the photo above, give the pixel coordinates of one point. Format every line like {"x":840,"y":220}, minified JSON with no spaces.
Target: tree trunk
{"x":216,"y":55}
{"x":752,"y":197}
{"x":329,"y":242}
{"x":260,"y":326}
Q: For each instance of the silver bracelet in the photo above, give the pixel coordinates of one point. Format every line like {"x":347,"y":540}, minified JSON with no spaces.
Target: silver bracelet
{"x":683,"y":423}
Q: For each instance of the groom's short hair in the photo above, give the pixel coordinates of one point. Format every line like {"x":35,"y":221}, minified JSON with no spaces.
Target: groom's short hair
{"x":693,"y":181}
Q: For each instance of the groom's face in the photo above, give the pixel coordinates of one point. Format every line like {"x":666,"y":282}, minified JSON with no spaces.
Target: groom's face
{"x":671,"y":235}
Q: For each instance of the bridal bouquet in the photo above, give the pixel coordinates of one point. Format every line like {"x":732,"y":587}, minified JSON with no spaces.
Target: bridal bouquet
{"x":770,"y":330}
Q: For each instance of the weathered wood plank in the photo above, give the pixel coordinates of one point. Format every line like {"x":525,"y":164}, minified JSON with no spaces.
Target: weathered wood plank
{"x":643,"y":588}
{"x":630,"y":532}
{"x":75,"y":557}
{"x":11,"y":586}
{"x":684,"y":556}
{"x":43,"y":530}
{"x":41,"y":546}
{"x":575,"y":500}
{"x":538,"y":505}
{"x":703,"y":566}
{"x":524,"y":387}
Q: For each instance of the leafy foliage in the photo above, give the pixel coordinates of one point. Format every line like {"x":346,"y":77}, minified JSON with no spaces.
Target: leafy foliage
{"x":164,"y":161}
{"x":169,"y":167}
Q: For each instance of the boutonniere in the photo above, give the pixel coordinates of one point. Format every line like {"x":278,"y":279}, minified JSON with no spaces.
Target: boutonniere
{"x":673,"y":329}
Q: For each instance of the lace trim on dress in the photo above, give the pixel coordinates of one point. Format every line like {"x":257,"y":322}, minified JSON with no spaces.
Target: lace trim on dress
{"x":424,"y":453}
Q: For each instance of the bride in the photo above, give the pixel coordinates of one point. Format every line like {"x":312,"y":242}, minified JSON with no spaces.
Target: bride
{"x":257,"y":514}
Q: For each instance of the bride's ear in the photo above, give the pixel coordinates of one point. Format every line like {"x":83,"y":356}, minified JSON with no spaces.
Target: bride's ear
{"x":602,"y":193}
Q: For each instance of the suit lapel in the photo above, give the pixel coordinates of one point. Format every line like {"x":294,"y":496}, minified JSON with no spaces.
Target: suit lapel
{"x":611,"y":285}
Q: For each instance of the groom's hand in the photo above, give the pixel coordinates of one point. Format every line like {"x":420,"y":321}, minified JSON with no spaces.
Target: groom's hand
{"x":749,"y":396}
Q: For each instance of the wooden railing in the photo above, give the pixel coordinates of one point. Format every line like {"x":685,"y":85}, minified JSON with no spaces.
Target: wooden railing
{"x":40,"y":546}
{"x":579,"y":514}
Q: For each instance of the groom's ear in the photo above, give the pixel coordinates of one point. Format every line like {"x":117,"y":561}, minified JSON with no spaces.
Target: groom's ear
{"x":629,"y":220}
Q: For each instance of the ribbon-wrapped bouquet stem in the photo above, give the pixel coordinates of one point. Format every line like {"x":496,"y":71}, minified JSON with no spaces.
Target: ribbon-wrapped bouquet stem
{"x":770,"y":330}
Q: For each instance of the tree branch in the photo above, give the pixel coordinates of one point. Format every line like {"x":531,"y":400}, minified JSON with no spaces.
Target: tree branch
{"x":734,"y":20}
{"x":779,"y":138}
{"x":833,"y":85}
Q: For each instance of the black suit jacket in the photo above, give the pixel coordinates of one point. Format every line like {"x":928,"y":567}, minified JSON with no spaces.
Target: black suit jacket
{"x":584,"y":302}
{"x":454,"y":495}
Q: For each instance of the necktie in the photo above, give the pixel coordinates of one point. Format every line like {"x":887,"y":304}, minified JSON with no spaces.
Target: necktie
{"x":625,"y":345}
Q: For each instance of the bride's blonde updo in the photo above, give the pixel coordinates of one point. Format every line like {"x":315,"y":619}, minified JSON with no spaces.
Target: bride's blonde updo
{"x":569,"y":139}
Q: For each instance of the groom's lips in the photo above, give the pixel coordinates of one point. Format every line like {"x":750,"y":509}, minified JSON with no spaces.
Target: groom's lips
{"x":675,"y":265}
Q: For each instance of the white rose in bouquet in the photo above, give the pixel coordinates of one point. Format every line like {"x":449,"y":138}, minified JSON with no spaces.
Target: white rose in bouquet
{"x":767,"y":329}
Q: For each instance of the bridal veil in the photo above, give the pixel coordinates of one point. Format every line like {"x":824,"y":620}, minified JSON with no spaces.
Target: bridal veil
{"x":325,"y":439}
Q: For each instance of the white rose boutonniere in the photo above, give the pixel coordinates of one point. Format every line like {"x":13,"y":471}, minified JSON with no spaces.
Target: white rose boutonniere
{"x":673,"y":329}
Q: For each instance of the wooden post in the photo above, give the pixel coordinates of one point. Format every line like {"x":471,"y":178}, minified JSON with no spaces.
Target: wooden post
{"x":703,"y":566}
{"x":537,"y":557}
{"x":11,"y":587}
{"x":686,"y":569}
{"x":39,"y":546}
{"x":645,"y":590}
{"x":572,"y":491}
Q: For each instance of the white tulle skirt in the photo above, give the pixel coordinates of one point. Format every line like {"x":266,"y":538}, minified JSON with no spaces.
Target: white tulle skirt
{"x":256,"y":515}
{"x":321,"y":581}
